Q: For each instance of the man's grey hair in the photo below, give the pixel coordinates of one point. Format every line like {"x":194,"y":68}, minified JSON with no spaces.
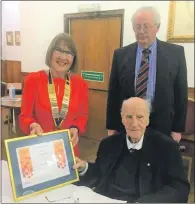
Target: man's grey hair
{"x":148,"y":104}
{"x":69,"y":42}
{"x":151,"y":9}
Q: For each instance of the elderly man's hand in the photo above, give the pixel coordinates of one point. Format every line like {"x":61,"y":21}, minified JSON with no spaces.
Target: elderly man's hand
{"x":176,"y":136}
{"x":80,"y":164}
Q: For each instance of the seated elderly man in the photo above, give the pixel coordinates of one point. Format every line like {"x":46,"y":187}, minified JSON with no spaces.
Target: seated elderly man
{"x":142,"y":165}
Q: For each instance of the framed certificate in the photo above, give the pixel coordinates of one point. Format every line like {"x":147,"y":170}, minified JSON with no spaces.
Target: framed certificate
{"x":40,"y":163}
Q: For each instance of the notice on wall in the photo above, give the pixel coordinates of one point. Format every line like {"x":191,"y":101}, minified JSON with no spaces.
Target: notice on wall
{"x":93,"y":76}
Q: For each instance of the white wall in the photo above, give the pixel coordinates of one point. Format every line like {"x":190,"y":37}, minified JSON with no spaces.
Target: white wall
{"x":10,"y":22}
{"x":40,"y":21}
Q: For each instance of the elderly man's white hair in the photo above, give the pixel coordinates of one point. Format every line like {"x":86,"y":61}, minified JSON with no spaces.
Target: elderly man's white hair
{"x":151,"y":9}
{"x":145,"y":100}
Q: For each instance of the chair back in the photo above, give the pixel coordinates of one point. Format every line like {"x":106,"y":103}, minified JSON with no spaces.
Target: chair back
{"x":189,"y":128}
{"x":3,"y":88}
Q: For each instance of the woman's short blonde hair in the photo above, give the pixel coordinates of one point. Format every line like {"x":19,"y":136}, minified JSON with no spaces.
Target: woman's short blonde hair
{"x":69,"y":42}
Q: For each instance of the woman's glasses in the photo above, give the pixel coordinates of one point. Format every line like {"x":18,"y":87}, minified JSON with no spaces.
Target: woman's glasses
{"x":68,"y":53}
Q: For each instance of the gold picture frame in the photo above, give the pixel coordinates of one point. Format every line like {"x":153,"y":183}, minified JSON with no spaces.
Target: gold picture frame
{"x":9,"y":38}
{"x":17,"y":38}
{"x":23,"y":170}
{"x":181,"y":21}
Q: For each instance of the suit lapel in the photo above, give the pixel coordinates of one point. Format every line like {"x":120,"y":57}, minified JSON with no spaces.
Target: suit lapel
{"x":145,"y":172}
{"x":129,"y":71}
{"x":161,"y":75}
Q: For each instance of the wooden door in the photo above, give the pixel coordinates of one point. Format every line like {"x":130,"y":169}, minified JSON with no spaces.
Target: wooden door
{"x":96,"y":39}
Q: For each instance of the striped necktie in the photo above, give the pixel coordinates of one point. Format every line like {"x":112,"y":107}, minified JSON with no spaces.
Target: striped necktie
{"x":142,"y":78}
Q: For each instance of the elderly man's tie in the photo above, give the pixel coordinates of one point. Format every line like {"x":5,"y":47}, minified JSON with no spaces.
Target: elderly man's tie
{"x":142,"y":78}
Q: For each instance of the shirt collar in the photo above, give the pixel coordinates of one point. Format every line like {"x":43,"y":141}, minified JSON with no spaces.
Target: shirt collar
{"x":151,"y":47}
{"x":134,"y":146}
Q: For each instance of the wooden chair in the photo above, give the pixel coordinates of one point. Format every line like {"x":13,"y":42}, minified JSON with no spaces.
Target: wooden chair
{"x":189,"y":129}
{"x":3,"y":88}
{"x":189,"y":143}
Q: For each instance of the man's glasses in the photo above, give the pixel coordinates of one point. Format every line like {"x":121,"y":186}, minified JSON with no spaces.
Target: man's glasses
{"x":68,"y":53}
{"x":144,"y":27}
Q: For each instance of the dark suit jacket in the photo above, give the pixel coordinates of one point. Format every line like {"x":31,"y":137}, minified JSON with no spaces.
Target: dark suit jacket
{"x":170,"y":100}
{"x":163,"y":180}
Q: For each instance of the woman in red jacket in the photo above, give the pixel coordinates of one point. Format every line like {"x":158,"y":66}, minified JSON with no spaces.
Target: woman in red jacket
{"x":56,"y":98}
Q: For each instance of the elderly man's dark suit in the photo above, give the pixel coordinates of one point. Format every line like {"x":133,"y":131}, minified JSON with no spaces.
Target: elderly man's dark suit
{"x":170,"y":98}
{"x":163,"y":180}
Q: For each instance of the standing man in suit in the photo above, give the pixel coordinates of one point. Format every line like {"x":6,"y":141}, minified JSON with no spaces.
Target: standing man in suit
{"x":140,"y":165}
{"x":153,"y":70}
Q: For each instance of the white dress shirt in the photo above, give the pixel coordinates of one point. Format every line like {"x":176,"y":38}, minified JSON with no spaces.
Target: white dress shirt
{"x":137,"y":145}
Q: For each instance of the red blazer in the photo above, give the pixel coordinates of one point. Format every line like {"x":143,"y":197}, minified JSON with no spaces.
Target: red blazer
{"x":36,"y":105}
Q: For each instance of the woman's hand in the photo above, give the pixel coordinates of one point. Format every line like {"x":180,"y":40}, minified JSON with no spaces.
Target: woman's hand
{"x":74,"y":133}
{"x":35,"y":129}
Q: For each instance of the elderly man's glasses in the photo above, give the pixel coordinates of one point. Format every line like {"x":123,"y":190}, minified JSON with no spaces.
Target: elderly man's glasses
{"x":144,"y":27}
{"x":65,"y":52}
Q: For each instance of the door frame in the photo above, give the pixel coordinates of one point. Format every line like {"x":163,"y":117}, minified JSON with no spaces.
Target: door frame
{"x":97,"y":14}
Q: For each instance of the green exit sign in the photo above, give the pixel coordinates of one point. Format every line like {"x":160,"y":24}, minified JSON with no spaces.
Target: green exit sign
{"x":93,"y":76}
